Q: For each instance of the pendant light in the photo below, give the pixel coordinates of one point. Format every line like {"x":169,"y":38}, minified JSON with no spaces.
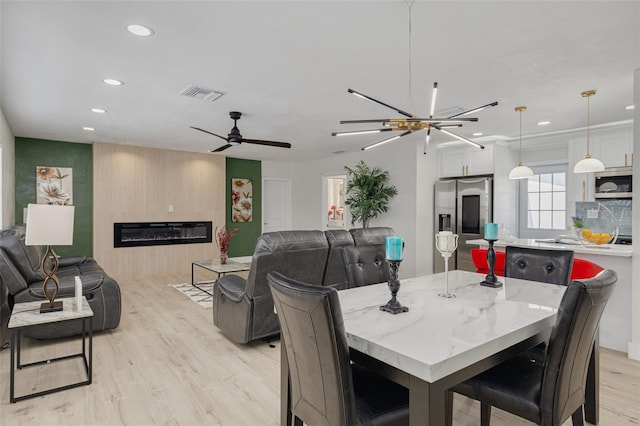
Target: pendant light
{"x":520,"y":171}
{"x":588,"y":164}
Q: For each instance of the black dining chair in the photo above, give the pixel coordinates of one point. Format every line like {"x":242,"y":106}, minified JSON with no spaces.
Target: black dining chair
{"x":534,"y":264}
{"x":549,"y":392}
{"x":325,"y":388}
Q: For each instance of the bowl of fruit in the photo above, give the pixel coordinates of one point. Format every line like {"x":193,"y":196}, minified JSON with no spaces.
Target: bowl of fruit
{"x":597,"y":238}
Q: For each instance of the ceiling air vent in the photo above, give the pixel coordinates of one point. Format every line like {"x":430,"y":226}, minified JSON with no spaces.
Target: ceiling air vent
{"x":202,"y":93}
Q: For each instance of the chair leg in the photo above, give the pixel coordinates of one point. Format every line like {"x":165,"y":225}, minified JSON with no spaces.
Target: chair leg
{"x":485,"y":414}
{"x":577,"y":418}
{"x":448,"y":408}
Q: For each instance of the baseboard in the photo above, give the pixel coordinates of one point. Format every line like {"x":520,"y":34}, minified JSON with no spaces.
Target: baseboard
{"x":634,"y":351}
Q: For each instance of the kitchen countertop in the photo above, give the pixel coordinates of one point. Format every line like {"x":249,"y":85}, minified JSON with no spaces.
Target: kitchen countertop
{"x":618,"y":250}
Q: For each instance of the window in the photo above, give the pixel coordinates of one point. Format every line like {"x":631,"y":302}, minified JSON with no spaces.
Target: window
{"x":543,"y":201}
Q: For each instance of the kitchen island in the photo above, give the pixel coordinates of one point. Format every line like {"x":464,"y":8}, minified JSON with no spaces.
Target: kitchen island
{"x":615,"y":326}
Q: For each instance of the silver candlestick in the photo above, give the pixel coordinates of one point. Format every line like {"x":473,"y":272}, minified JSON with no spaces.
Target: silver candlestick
{"x":446,"y":243}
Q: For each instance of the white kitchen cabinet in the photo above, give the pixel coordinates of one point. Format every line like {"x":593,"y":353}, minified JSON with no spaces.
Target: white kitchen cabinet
{"x":615,"y":150}
{"x":582,"y":183}
{"x":466,"y":161}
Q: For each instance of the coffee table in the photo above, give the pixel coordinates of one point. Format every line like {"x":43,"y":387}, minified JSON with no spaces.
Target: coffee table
{"x":26,"y":315}
{"x":233,"y":265}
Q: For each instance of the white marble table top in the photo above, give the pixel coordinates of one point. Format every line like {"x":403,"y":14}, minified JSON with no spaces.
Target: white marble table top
{"x":231,"y":265}
{"x":440,"y":336}
{"x":28,"y":313}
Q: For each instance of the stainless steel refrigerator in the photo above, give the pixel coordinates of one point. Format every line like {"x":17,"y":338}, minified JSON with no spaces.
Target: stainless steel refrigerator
{"x":462,"y":206}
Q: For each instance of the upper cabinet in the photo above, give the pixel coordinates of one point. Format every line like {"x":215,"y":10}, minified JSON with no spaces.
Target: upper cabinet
{"x":466,"y":161}
{"x":615,"y":150}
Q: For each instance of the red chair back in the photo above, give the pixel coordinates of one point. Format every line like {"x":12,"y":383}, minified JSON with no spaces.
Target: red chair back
{"x":584,"y":269}
{"x":479,"y":258}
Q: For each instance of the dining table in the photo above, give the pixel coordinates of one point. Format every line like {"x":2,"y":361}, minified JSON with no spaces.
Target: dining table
{"x":440,"y":342}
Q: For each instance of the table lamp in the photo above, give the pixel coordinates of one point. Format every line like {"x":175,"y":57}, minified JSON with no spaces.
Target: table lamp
{"x":446,"y":243}
{"x":49,"y":225}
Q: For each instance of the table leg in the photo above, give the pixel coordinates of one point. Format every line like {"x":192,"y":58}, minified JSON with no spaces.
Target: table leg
{"x":427,"y":403}
{"x":12,"y":366}
{"x":592,"y":391}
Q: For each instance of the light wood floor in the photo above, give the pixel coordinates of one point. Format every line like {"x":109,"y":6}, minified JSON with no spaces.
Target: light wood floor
{"x":168,"y":365}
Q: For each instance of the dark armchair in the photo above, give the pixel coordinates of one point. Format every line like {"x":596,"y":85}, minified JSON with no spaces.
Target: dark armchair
{"x":551,"y":391}
{"x":325,"y":388}
{"x":243,"y":308}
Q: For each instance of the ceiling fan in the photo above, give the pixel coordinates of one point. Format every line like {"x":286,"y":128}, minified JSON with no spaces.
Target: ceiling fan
{"x":235,"y":138}
{"x":413,"y":123}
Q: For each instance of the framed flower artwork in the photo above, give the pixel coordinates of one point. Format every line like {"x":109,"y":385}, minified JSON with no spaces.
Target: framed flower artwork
{"x":241,"y":200}
{"x":54,"y":185}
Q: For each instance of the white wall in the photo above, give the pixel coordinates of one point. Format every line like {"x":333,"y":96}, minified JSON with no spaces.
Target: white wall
{"x":7,"y":178}
{"x":399,"y":159}
{"x":634,"y":345}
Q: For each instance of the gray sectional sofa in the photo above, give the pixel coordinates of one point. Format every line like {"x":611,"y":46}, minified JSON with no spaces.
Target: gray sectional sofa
{"x":243,"y":308}
{"x":21,"y":280}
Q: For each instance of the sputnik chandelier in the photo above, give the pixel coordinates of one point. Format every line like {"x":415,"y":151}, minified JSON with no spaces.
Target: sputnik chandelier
{"x":413,"y":123}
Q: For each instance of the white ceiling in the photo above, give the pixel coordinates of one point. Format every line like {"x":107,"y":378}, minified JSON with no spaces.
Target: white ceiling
{"x":287,"y":65}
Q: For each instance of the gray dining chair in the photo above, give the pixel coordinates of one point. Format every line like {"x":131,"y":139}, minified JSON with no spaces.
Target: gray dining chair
{"x":325,"y":388}
{"x":549,"y":392}
{"x":534,"y":264}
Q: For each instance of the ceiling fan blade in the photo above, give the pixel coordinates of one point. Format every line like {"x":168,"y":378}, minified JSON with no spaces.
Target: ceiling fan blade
{"x":375,"y":101}
{"x":211,"y":133}
{"x":222,"y":148}
{"x":373,"y":145}
{"x":480,"y":108}
{"x":461,"y":138}
{"x":267,"y":143}
{"x":362,"y":132}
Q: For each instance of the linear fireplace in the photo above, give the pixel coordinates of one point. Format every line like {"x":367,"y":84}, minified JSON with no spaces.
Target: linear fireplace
{"x":161,"y":233}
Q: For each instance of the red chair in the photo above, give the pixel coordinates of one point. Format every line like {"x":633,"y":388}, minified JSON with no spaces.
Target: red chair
{"x":584,"y":269}
{"x":479,"y":258}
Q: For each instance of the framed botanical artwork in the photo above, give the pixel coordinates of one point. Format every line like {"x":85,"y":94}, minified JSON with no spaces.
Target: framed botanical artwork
{"x":54,"y":185}
{"x":241,"y":200}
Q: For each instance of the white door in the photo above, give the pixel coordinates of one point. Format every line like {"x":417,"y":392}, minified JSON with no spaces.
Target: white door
{"x":276,"y":205}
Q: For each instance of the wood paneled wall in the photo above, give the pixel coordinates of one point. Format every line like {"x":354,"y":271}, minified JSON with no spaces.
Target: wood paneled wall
{"x":134,"y":184}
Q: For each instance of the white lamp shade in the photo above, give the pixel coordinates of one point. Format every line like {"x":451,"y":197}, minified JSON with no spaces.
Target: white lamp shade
{"x":520,"y":172}
{"x":588,"y":165}
{"x":49,"y":225}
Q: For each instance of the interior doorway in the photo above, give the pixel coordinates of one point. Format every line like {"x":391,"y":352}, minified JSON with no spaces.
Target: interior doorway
{"x":276,"y":204}
{"x":334,"y":211}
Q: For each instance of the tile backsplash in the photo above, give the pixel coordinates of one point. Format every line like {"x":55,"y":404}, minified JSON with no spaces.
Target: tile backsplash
{"x":608,"y":212}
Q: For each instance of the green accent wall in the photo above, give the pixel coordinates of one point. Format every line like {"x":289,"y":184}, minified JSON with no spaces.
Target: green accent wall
{"x":30,"y":153}
{"x":244,"y":242}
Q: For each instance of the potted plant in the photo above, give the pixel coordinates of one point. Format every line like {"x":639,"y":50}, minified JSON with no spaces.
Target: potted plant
{"x":368,"y":194}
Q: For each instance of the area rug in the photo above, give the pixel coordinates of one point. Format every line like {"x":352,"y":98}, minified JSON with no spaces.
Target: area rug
{"x":200,"y":297}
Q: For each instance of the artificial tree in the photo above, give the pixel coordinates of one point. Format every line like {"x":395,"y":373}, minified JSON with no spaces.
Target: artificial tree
{"x":368,"y":194}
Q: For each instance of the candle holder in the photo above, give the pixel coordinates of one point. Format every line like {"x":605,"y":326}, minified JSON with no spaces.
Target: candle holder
{"x":393,"y":306}
{"x":446,"y":243}
{"x":491,"y":280}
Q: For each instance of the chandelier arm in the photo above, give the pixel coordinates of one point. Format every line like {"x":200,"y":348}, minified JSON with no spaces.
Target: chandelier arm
{"x":462,"y":138}
{"x":373,"y":145}
{"x":369,"y":98}
{"x":480,"y":108}
{"x":363,"y":132}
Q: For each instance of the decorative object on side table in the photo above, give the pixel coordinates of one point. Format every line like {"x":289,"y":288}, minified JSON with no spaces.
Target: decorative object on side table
{"x":49,"y":225}
{"x":393,"y":246}
{"x":446,"y":243}
{"x":491,"y":235}
{"x":223,"y":240}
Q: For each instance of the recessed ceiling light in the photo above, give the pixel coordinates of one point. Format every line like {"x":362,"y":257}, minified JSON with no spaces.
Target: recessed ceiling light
{"x":543,"y":123}
{"x":88,"y":129}
{"x":140,"y":30}
{"x":98,"y":110}
{"x":630,"y":107}
{"x":477,"y":134}
{"x":112,"y":82}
